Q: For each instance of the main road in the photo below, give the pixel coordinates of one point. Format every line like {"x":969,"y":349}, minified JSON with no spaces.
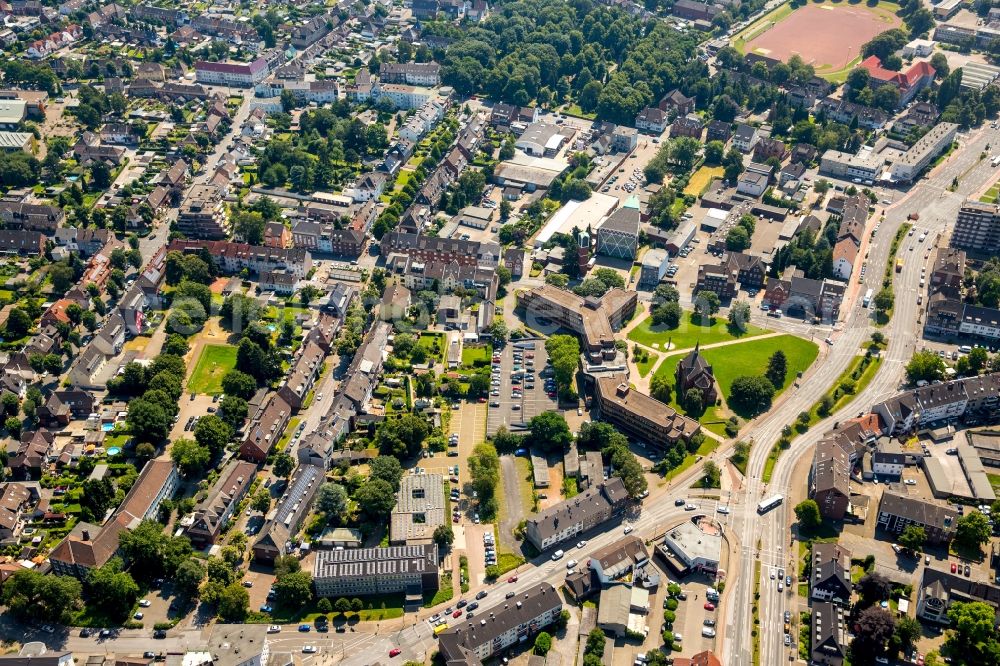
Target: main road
{"x":767,"y":537}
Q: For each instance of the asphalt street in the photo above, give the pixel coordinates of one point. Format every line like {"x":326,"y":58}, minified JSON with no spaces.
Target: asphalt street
{"x":767,"y":537}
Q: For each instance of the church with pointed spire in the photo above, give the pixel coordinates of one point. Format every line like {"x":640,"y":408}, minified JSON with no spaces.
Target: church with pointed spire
{"x":694,"y":371}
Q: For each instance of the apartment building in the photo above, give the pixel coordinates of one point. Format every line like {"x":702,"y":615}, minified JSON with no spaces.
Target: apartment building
{"x":89,"y":547}
{"x":266,"y":429}
{"x":233,"y":74}
{"x":285,"y":519}
{"x":232,"y":258}
{"x":938,"y":590}
{"x":390,"y":570}
{"x":515,"y":621}
{"x":830,"y":479}
{"x":830,"y":577}
{"x":441,"y":250}
{"x":977,"y":228}
{"x":578,"y":514}
{"x":969,"y":398}
{"x":912,"y":163}
{"x":203,"y":214}
{"x":617,"y":560}
{"x":829,"y":634}
{"x":896,"y":512}
{"x":641,"y":416}
{"x":214,"y":512}
{"x":411,"y":73}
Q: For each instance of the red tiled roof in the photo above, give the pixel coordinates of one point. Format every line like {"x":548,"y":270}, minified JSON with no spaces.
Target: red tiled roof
{"x":906,"y":79}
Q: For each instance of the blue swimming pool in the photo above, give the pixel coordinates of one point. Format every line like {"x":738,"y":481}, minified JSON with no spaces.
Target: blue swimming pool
{"x":107,"y":427}
{"x":114,"y":450}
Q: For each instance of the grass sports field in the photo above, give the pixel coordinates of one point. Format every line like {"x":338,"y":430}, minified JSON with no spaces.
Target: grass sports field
{"x":213,"y":363}
{"x":827,"y":35}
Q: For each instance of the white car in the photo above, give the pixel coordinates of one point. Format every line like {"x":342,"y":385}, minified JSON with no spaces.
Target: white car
{"x":910,"y":482}
{"x":145,"y":603}
{"x":724,"y":510}
{"x":708,"y":632}
{"x":628,"y":528}
{"x":309,"y":649}
{"x":581,"y":544}
{"x":689,"y":507}
{"x":274,"y":629}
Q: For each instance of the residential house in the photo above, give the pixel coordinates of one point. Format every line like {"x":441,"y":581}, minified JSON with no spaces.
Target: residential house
{"x":830,"y":574}
{"x":214,"y":512}
{"x":569,"y":518}
{"x":651,"y":119}
{"x":265,"y":429}
{"x":896,"y":512}
{"x":745,"y":138}
{"x":677,"y":103}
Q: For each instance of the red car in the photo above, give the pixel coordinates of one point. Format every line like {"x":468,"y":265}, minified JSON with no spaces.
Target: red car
{"x":457,"y":613}
{"x":482,"y":400}
{"x":512,"y":579}
{"x":709,"y":606}
{"x":394,"y":652}
{"x":954,"y":567}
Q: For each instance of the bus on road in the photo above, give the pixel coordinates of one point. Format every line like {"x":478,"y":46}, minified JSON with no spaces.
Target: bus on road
{"x":769,"y":503}
{"x":868,"y":298}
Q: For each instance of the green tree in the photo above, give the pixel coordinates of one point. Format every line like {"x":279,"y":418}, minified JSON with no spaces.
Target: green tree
{"x":484,"y":469}
{"x":342,"y":605}
{"x":233,"y":602}
{"x":188,"y":578}
{"x":550,"y":432}
{"x":386,"y":468}
{"x":913,"y":538}
{"x":293,"y":590}
{"x":191,"y":457}
{"x":97,"y":496}
{"x":261,"y":501}
{"x":807,"y":512}
{"x":973,"y":633}
{"x":444,"y":535}
{"x":112,"y":590}
{"x":239,"y":384}
{"x":213,"y":433}
{"x":751,"y":394}
{"x":283,"y":465}
{"x":667,"y":314}
{"x":706,"y":303}
{"x":564,"y":353}
{"x":376,"y":498}
{"x":152,"y":554}
{"x":543,"y":643}
{"x":972,"y":530}
{"x":884,"y":300}
{"x":924,"y":365}
{"x":660,"y":387}
{"x":32,"y":596}
{"x":777,"y":368}
{"x":331,"y":499}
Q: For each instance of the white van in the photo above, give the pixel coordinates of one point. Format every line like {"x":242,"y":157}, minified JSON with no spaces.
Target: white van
{"x":557,"y":555}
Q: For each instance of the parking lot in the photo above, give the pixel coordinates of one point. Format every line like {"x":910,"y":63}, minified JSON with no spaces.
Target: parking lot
{"x":518,"y":391}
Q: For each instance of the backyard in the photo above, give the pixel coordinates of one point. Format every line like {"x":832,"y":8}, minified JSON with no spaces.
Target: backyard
{"x":702,"y":178}
{"x":690,"y":332}
{"x":213,"y":364}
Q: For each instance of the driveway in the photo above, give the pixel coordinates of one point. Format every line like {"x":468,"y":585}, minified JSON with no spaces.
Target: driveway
{"x":513,"y":512}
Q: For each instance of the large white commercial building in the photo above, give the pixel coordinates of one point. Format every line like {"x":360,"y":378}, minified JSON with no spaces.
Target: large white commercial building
{"x":920,"y":154}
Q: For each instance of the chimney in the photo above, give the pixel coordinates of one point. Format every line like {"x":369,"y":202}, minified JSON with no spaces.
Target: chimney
{"x":86,"y":535}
